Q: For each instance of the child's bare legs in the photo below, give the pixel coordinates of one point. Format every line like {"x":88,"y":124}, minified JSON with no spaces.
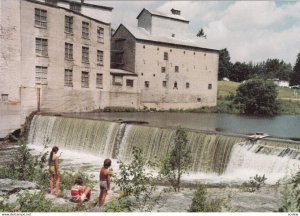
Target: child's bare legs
{"x":102,"y":197}
{"x":87,"y":193}
{"x":51,"y":183}
{"x":57,"y":182}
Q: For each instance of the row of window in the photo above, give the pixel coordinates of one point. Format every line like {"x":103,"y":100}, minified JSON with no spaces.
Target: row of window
{"x":41,"y":77}
{"x":166,"y":57}
{"x":41,"y":48}
{"x":175,"y":86}
{"x":163,"y":69}
{"x":41,"y":21}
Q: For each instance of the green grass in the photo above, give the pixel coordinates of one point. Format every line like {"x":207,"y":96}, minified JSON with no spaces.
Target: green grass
{"x":289,"y":99}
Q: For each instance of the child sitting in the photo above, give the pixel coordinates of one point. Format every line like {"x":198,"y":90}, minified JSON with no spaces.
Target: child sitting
{"x":79,"y":192}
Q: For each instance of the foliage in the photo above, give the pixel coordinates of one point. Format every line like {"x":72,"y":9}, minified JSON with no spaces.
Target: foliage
{"x":121,"y":204}
{"x":119,"y":109}
{"x":34,"y":202}
{"x":295,"y":77}
{"x":24,"y":165}
{"x":201,"y":33}
{"x":134,"y":180}
{"x":225,"y":65}
{"x":4,"y":207}
{"x":257,"y":97}
{"x":202,"y":203}
{"x":67,"y":179}
{"x":291,"y":195}
{"x":254,"y":184}
{"x":179,"y":160}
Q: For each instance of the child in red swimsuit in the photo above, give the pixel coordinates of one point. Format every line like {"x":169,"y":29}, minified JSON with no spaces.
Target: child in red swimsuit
{"x":79,"y":192}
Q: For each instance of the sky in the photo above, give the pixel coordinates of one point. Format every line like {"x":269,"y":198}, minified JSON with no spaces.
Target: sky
{"x":250,"y":30}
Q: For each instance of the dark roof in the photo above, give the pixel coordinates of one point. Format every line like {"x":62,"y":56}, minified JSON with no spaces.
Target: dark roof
{"x":90,"y":5}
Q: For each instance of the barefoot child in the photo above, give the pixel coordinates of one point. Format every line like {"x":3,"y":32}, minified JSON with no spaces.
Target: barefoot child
{"x":53,"y":171}
{"x":79,"y":192}
{"x":104,"y":181}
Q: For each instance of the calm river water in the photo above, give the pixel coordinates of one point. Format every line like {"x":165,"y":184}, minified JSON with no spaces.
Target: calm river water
{"x":284,"y":126}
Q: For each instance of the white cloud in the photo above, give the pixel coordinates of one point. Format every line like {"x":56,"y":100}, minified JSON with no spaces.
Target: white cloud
{"x":250,"y":30}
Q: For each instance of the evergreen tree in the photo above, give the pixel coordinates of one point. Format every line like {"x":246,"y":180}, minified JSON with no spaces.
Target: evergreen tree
{"x":225,"y":66}
{"x":295,"y":77}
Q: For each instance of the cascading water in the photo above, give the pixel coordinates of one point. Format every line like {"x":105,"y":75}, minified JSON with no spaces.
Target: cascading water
{"x":212,"y":153}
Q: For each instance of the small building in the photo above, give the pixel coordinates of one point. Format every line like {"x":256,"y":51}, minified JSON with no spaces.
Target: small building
{"x":280,"y":83}
{"x":172,"y":69}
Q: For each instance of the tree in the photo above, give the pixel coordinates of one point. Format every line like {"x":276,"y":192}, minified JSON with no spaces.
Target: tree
{"x":295,"y":77}
{"x":201,"y":33}
{"x":179,"y":160}
{"x":134,"y":180}
{"x":225,"y":66}
{"x":257,"y":97}
{"x":240,"y":71}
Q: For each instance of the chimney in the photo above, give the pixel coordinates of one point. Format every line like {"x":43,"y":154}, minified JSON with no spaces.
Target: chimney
{"x":175,"y":12}
{"x":82,"y":1}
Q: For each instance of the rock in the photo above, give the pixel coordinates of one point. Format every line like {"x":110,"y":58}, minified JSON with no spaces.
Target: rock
{"x":10,"y":186}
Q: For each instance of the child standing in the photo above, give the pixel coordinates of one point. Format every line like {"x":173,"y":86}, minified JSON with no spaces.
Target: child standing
{"x":53,"y":171}
{"x":104,"y":178}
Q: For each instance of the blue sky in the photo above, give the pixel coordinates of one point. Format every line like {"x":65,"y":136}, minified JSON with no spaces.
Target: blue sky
{"x":250,"y":30}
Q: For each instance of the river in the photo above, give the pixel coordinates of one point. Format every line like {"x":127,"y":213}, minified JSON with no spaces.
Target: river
{"x":283,"y":126}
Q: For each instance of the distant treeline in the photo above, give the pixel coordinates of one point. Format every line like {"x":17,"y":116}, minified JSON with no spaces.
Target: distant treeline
{"x":269,"y":69}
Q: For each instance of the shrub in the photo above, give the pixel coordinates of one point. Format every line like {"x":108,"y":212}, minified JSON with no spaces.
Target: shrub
{"x":134,"y":180}
{"x":202,"y":203}
{"x":257,"y":97}
{"x":254,"y":184}
{"x":119,"y":109}
{"x":121,"y":204}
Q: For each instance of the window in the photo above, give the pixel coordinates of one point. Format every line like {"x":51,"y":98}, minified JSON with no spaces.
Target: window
{"x":100,"y":34}
{"x":164,"y":83}
{"x":129,"y":82}
{"x":173,"y":35}
{"x":68,"y":51}
{"x":85,"y":54}
{"x":68,"y":24}
{"x":117,"y":80}
{"x":165,"y":56}
{"x":147,"y":84}
{"x":144,"y":46}
{"x":75,"y":6}
{"x":198,"y":99}
{"x":100,"y":57}
{"x":84,"y":79}
{"x":163,"y":69}
{"x":68,"y":78}
{"x":4,"y":97}
{"x":41,"y":75}
{"x":99,"y":81}
{"x":175,"y":85}
{"x":187,"y":85}
{"x":176,"y":68}
{"x":41,"y":46}
{"x":40,"y":18}
{"x":85,"y":30}
{"x":53,"y":2}
{"x":209,"y":86}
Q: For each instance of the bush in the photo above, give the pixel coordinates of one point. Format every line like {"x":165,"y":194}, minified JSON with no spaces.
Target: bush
{"x":202,"y":203}
{"x":254,"y":184}
{"x":257,"y":97}
{"x":121,"y":204}
{"x":34,"y":202}
{"x":134,"y":180}
{"x":119,"y":109}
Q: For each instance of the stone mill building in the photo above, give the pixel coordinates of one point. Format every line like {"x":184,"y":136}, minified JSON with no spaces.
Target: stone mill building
{"x":60,"y":56}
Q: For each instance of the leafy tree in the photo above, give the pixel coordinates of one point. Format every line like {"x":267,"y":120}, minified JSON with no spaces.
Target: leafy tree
{"x":201,"y":33}
{"x":134,"y":180}
{"x":240,"y":71}
{"x":179,"y":160}
{"x":225,"y":65}
{"x":257,"y":97}
{"x":295,"y":77}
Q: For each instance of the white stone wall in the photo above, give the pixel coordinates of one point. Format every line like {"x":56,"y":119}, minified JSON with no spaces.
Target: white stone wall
{"x":166,"y":27}
{"x":10,"y":49}
{"x":199,"y":70}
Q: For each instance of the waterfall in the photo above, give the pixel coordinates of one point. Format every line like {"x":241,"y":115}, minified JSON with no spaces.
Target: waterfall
{"x":211,"y":152}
